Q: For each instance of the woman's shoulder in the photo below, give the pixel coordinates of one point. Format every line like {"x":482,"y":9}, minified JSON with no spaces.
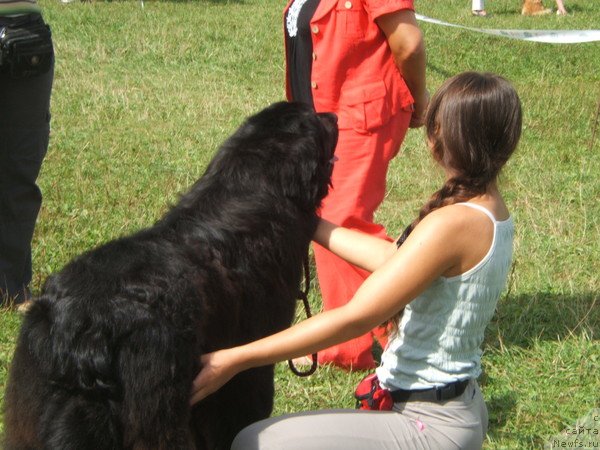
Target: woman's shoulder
{"x":494,"y":208}
{"x":452,"y":215}
{"x":457,"y":221}
{"x":464,"y":232}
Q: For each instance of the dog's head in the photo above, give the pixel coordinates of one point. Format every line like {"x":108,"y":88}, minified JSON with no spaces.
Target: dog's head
{"x":287,"y":147}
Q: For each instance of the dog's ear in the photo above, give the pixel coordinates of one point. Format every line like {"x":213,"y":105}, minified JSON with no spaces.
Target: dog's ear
{"x":306,"y":175}
{"x":299,"y":176}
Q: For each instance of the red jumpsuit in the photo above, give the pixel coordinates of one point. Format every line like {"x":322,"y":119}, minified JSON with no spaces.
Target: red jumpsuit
{"x":354,"y":75}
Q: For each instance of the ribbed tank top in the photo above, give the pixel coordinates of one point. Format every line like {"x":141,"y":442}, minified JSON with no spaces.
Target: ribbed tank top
{"x":441,"y":331}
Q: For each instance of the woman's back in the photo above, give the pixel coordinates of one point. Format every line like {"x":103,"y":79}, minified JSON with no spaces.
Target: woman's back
{"x":441,"y":331}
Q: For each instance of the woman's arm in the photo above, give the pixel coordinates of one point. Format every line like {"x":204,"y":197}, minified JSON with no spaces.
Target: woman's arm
{"x":406,"y":42}
{"x":423,"y":257}
{"x":358,"y":248}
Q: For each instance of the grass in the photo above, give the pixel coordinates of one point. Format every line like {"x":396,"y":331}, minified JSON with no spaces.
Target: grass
{"x":145,"y":92}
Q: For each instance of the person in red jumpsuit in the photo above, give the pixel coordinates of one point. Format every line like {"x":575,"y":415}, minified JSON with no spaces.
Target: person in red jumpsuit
{"x":365,"y":61}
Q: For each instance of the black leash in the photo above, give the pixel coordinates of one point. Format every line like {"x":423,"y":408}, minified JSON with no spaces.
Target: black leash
{"x":303,"y":295}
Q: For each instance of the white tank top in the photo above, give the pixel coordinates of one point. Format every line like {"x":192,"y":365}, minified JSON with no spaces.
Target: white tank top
{"x":440,"y":333}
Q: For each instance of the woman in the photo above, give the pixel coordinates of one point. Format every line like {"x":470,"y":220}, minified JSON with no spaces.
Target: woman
{"x":365,"y":61}
{"x":438,"y":289}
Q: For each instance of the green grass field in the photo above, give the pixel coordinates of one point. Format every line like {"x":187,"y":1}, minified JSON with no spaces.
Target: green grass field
{"x":145,"y":92}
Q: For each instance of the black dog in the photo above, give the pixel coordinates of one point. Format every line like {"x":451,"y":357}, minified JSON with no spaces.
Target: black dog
{"x":107,"y":354}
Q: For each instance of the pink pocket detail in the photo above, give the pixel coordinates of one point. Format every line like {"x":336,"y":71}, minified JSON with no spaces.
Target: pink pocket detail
{"x":420,"y":425}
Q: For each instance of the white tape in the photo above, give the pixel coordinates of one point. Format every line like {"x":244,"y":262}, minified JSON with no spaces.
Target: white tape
{"x":547,"y":36}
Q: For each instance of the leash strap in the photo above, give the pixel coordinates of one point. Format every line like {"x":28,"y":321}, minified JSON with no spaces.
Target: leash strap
{"x":303,"y":295}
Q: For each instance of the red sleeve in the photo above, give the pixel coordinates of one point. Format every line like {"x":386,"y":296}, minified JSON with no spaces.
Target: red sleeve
{"x":378,"y":8}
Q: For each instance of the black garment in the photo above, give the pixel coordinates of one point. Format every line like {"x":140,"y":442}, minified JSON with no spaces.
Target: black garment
{"x":299,"y":54}
{"x":24,"y":134}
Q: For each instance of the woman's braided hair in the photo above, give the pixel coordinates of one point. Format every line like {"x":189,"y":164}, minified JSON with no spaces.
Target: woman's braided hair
{"x":473,"y":125}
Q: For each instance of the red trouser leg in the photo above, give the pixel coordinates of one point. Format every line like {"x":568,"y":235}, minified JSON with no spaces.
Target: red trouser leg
{"x":359,"y":183}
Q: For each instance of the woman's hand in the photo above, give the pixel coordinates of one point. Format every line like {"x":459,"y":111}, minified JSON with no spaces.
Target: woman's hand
{"x":419,"y":108}
{"x":217,"y":369}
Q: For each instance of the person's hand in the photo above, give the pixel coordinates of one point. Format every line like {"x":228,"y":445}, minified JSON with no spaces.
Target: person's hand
{"x":217,"y":369}
{"x":419,"y":108}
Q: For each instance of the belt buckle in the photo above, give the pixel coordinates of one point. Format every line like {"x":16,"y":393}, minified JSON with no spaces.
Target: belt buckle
{"x":439,"y":391}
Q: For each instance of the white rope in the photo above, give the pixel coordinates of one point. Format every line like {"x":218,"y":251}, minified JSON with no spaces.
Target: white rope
{"x":546,"y":36}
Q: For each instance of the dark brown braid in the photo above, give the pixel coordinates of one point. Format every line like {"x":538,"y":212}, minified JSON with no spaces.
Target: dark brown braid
{"x":453,"y":191}
{"x":473,"y":125}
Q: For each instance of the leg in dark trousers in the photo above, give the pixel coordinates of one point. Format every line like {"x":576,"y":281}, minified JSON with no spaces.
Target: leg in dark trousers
{"x":24,"y":133}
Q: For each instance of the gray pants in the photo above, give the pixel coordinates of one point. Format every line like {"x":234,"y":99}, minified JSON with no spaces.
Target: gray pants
{"x":460,"y":423}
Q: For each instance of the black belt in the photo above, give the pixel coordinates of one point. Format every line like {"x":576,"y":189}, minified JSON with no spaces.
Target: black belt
{"x":436,"y":394}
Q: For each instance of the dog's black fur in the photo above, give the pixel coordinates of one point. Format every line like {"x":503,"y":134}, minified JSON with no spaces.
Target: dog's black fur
{"x":107,"y":354}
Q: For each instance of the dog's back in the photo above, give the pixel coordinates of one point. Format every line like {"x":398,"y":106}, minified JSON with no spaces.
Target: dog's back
{"x":106,"y":356}
{"x":40,"y":415}
{"x":97,"y":364}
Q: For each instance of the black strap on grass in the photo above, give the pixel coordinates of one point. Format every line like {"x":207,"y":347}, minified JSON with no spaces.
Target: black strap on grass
{"x":303,"y":295}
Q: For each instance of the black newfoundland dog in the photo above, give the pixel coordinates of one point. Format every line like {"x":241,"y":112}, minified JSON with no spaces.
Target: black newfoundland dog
{"x":107,"y":354}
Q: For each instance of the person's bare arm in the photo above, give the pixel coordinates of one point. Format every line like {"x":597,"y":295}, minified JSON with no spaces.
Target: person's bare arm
{"x":406,"y":42}
{"x":427,"y":253}
{"x":358,"y":248}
